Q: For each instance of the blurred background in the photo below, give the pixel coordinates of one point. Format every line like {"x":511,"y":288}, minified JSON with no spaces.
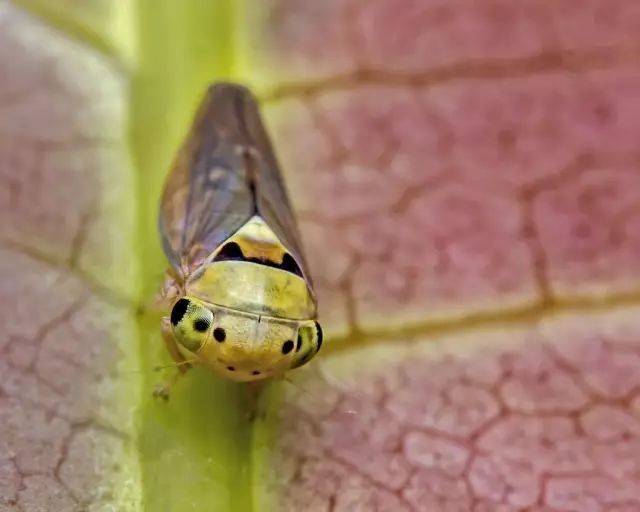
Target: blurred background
{"x":467,"y":183}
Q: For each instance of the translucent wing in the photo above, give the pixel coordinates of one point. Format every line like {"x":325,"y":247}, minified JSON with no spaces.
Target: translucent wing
{"x":225,"y":173}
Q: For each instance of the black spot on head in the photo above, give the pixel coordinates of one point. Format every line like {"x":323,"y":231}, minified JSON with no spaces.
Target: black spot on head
{"x":178,"y":311}
{"x":230,"y":251}
{"x":255,"y":372}
{"x":299,"y":343}
{"x":201,"y":324}
{"x":219,"y":334}
{"x":287,"y":347}
{"x":319,"y":334}
{"x":231,"y":368}
{"x":290,"y":265}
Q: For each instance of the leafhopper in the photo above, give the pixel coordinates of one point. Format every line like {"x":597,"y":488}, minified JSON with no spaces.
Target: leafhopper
{"x":239,"y":291}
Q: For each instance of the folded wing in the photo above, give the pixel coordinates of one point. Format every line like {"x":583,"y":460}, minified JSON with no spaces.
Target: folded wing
{"x":225,"y":173}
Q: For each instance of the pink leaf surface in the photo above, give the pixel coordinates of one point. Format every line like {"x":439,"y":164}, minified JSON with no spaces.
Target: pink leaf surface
{"x":466,"y":177}
{"x":65,"y":274}
{"x":468,"y":184}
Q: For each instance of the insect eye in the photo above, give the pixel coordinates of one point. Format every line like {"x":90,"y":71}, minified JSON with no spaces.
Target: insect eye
{"x":191,"y":322}
{"x":308,"y":344}
{"x":201,"y":324}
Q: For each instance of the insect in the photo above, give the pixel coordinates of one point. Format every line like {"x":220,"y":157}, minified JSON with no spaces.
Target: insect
{"x":242,"y":301}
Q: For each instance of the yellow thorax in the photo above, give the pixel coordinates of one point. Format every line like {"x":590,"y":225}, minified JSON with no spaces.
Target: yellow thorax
{"x":253,"y":287}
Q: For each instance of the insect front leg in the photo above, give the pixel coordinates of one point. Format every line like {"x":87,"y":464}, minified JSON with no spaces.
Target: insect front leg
{"x":162,"y":390}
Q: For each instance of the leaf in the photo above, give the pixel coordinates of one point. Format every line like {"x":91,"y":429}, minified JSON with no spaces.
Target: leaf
{"x":466,"y":180}
{"x":466,"y":191}
{"x":69,"y":276}
{"x":81,"y":256}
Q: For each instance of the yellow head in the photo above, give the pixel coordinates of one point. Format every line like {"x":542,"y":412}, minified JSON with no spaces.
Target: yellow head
{"x":242,"y":346}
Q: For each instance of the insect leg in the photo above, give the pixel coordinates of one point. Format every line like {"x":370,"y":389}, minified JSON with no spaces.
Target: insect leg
{"x":172,"y":346}
{"x":162,"y":390}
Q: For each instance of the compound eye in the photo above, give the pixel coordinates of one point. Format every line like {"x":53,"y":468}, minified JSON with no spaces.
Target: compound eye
{"x":307,"y":344}
{"x":201,"y":324}
{"x":191,"y":323}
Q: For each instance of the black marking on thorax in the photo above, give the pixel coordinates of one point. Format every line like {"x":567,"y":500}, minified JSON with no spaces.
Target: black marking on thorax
{"x":232,"y":251}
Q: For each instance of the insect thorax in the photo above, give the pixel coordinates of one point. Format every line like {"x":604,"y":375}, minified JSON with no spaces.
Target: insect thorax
{"x":248,"y":273}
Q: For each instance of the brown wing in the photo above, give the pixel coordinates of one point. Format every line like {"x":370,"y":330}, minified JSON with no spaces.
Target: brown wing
{"x":225,"y":173}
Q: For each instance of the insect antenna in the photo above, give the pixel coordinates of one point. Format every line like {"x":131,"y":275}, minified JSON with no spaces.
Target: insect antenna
{"x":173,"y":365}
{"x":298,"y":387}
{"x":157,"y":368}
